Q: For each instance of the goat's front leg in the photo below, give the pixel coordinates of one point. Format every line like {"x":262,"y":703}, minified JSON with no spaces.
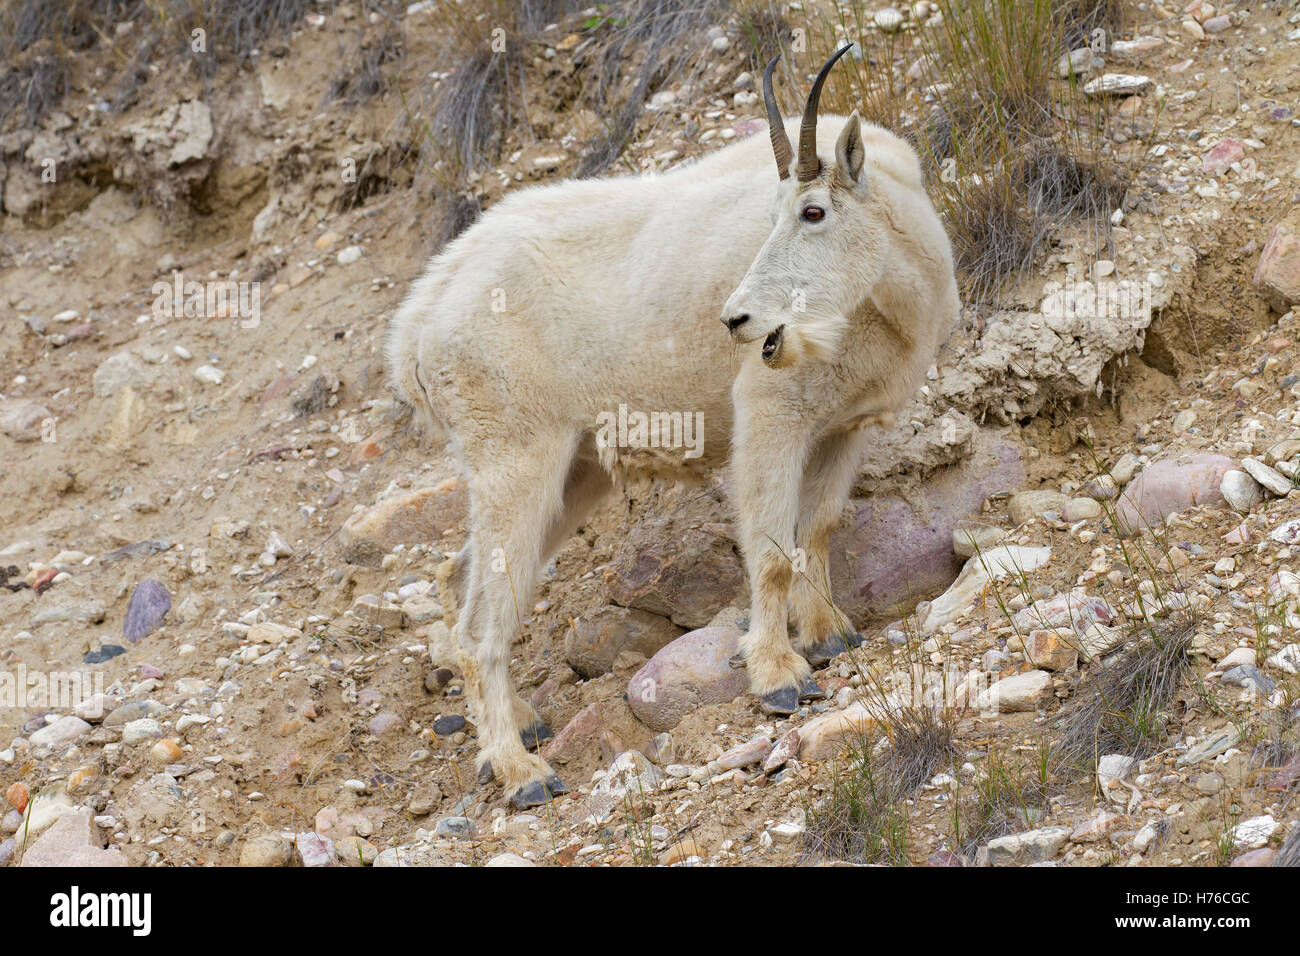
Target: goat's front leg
{"x":824,"y":630}
{"x":767,"y":470}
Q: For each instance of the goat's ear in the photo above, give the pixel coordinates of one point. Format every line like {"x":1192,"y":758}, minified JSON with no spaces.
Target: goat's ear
{"x":849,"y":151}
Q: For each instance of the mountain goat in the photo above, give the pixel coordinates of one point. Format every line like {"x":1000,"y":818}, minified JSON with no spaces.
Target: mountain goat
{"x":568,"y":302}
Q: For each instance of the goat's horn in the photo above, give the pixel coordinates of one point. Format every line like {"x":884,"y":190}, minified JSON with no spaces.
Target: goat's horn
{"x":775,"y":125}
{"x":809,"y":165}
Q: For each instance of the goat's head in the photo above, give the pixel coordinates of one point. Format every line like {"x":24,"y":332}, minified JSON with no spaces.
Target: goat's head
{"x":820,"y":260}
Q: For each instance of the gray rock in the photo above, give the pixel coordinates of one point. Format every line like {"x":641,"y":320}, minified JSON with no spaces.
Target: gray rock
{"x":123,"y":370}
{"x":460,"y":828}
{"x":1027,"y":505}
{"x":1028,"y":848}
{"x":1211,"y":746}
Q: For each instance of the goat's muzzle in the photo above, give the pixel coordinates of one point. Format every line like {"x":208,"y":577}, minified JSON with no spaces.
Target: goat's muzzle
{"x":773,"y":346}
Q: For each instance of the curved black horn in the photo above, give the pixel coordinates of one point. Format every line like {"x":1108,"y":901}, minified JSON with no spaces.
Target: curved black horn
{"x":775,"y":125}
{"x":809,"y":165}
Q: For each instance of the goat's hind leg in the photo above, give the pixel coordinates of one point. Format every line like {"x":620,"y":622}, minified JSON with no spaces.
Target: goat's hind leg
{"x":512,"y":508}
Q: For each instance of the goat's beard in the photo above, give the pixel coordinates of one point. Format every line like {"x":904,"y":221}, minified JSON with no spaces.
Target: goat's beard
{"x":813,"y":340}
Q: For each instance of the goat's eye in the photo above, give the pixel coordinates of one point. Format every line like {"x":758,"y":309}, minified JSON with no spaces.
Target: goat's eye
{"x":814,"y":214}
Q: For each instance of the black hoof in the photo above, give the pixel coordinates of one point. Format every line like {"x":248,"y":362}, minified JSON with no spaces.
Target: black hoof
{"x":538,"y":792}
{"x":811,"y":690}
{"x":784,"y":701}
{"x":832,"y":647}
{"x":485,"y":773}
{"x":534,"y":734}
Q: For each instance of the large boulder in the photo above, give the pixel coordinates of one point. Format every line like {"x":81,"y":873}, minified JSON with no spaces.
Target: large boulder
{"x":693,"y":671}
{"x":73,"y":841}
{"x":598,"y":638}
{"x":1170,"y":486}
{"x":896,"y":552}
{"x":679,"y":562}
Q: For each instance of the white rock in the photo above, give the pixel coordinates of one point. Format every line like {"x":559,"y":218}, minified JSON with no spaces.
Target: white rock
{"x":1267,"y":477}
{"x":349,"y":255}
{"x":1254,"y":833}
{"x":1287,"y":659}
{"x":1240,"y":491}
{"x":889,"y":19}
{"x":209,"y":375}
{"x":995,"y":563}
{"x":1022,"y":692}
{"x":1033,"y":846}
{"x":1117,"y":84}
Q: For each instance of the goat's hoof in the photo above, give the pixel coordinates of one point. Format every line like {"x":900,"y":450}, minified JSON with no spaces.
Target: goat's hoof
{"x":538,"y":792}
{"x":485,"y":774}
{"x":811,"y":690}
{"x":831,"y":648}
{"x":784,"y":701}
{"x":534,"y":734}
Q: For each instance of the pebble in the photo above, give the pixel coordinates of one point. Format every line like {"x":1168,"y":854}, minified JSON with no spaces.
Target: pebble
{"x":349,"y":255}
{"x":138,"y":731}
{"x":1032,"y":846}
{"x":209,"y":375}
{"x":1117,"y":84}
{"x":448,"y":725}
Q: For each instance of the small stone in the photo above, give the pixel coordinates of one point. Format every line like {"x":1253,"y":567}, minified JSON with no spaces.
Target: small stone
{"x":16,"y":795}
{"x":448,"y":725}
{"x":62,"y":732}
{"x":786,"y":749}
{"x":1255,"y":832}
{"x":138,"y":731}
{"x":1081,"y":509}
{"x":1095,"y":828}
{"x":1117,"y":84}
{"x":150,"y":602}
{"x":459,"y":828}
{"x":1267,"y":476}
{"x":314,"y":849}
{"x":209,"y":375}
{"x":1022,"y":692}
{"x":1027,"y":505}
{"x":104,"y":652}
{"x":268,"y":849}
{"x":355,"y":851}
{"x":1240,"y":491}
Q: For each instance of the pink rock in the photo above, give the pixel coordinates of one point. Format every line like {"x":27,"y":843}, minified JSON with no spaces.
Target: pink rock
{"x":1278,"y":273}
{"x":895,"y":552}
{"x":1168,"y":487}
{"x":1261,"y":857}
{"x":577,"y":735}
{"x":1217,"y":24}
{"x":1238,"y":535}
{"x":1226,"y":152}
{"x":693,"y":671}
{"x":315,"y":849}
{"x":148,"y":671}
{"x":383,"y":722}
{"x":1094,"y":829}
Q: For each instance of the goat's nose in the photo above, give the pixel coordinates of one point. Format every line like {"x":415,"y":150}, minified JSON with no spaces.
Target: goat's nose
{"x":735,"y":322}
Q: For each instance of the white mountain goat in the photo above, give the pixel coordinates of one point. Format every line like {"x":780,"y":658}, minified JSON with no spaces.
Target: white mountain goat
{"x":567,"y":301}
